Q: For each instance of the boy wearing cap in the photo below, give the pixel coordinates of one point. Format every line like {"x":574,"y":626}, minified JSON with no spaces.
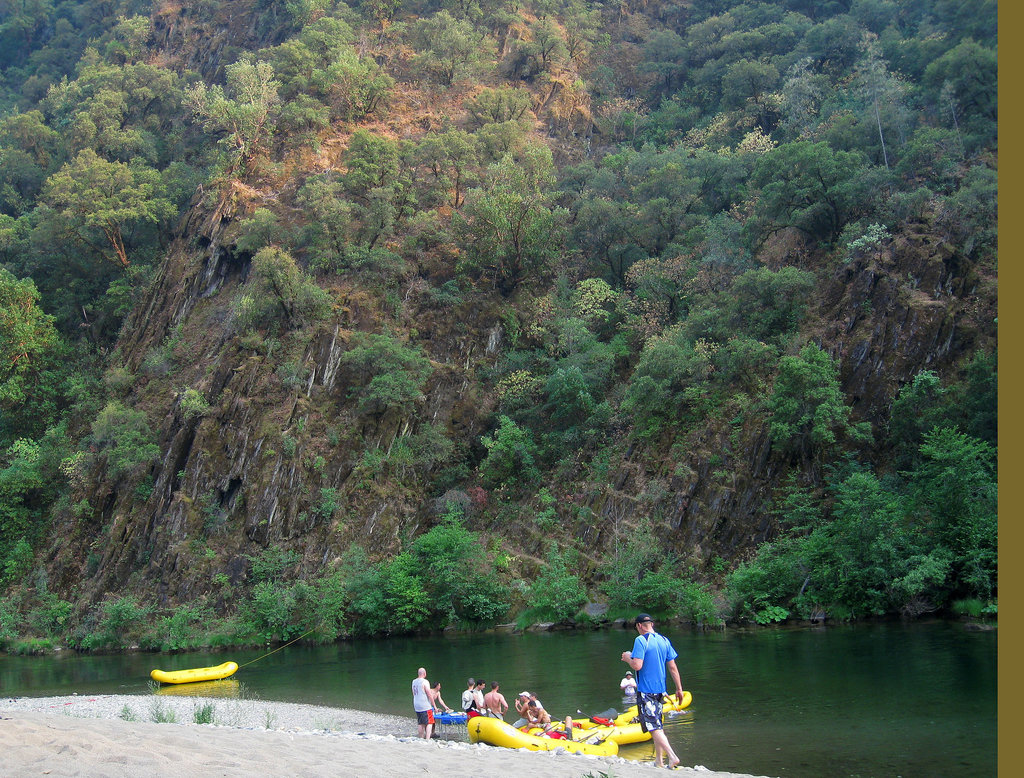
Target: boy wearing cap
{"x":652,"y":653}
{"x":628,"y":684}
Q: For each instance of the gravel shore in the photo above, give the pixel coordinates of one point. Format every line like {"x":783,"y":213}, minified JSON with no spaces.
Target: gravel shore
{"x":157,"y":735}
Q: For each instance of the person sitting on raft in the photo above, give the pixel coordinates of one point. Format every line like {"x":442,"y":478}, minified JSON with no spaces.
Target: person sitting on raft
{"x":521,"y":702}
{"x":536,"y":716}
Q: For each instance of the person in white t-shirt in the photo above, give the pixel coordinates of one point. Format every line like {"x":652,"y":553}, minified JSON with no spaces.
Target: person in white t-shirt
{"x":628,"y":684}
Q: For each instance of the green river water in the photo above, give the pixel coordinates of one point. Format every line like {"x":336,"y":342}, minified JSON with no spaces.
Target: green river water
{"x":869,"y":700}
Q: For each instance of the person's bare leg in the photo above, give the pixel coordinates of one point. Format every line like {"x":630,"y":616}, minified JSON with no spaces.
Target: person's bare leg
{"x":430,"y":731}
{"x":662,"y":748}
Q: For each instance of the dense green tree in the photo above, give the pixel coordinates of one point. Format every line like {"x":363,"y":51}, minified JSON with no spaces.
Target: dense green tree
{"x":453,"y":161}
{"x":26,"y":336}
{"x":452,"y":48}
{"x":557,"y":593}
{"x":512,"y":456}
{"x":809,"y":412}
{"x":23,"y":25}
{"x":97,"y":204}
{"x":812,"y":188}
{"x":244,"y":113}
{"x":123,"y":440}
{"x":511,"y":228}
{"x":971,"y":71}
{"x":390,"y":374}
{"x":496,"y":105}
{"x":955,"y":492}
{"x":450,"y":559}
{"x":321,"y":64}
{"x":882,"y":95}
{"x":921,"y":406}
{"x":279,"y":291}
{"x":120,"y":111}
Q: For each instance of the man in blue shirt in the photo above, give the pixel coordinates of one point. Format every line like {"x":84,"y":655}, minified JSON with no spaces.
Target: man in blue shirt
{"x":651,"y":655}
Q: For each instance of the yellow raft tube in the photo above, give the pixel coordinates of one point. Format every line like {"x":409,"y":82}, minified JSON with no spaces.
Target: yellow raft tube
{"x":624,"y":728}
{"x":495,"y":732}
{"x":194,"y":674}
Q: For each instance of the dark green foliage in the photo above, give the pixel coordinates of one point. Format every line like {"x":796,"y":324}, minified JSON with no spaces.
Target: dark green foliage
{"x":652,"y":267}
{"x":920,"y":406}
{"x":115,"y":623}
{"x":809,"y":412}
{"x":812,"y":188}
{"x":452,"y":48}
{"x":954,"y":490}
{"x":280,"y":293}
{"x":124,"y":440}
{"x":440,"y":580}
{"x":390,"y":374}
{"x":511,"y":228}
{"x":882,"y":545}
{"x":642,"y":577}
{"x":271,"y":564}
{"x":27,"y":338}
{"x":557,"y":593}
{"x":511,"y":456}
{"x":970,"y":71}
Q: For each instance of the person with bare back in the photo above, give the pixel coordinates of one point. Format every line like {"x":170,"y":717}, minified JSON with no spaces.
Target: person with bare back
{"x":495,"y":703}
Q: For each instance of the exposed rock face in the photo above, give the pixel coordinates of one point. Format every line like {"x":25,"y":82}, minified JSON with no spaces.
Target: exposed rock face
{"x":250,"y":472}
{"x":915,"y":305}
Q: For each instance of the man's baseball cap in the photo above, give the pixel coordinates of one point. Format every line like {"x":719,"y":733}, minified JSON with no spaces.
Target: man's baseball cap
{"x":643,"y":617}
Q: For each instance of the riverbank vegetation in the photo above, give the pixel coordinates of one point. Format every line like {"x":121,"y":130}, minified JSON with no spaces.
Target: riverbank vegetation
{"x":381,"y":318}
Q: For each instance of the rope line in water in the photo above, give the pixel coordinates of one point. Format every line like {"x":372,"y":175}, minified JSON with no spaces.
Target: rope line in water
{"x":300,"y":637}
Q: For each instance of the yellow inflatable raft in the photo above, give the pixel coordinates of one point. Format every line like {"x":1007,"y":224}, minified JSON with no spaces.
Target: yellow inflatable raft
{"x":495,"y":732}
{"x":624,"y":735}
{"x":195,"y":674}
{"x":629,"y":715}
{"x":624,"y":729}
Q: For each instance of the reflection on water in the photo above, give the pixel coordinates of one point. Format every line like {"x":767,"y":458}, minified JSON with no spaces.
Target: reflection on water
{"x":913,"y":700}
{"x":226,"y":687}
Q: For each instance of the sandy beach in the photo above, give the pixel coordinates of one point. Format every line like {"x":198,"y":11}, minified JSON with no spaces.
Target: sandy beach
{"x":118,"y":735}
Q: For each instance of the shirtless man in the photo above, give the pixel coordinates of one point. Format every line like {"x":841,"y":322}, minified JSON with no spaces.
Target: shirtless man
{"x":435,"y":697}
{"x":495,"y":702}
{"x":536,"y":715}
{"x":521,"y":702}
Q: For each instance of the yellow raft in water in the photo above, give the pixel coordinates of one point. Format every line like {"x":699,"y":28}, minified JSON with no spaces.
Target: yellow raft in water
{"x":495,"y":732}
{"x":194,"y":674}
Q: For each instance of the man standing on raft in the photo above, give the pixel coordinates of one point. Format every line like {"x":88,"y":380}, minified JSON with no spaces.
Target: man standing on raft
{"x":651,"y":654}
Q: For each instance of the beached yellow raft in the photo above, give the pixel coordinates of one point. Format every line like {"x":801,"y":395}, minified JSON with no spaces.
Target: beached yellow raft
{"x":495,"y":732}
{"x":624,"y":729}
{"x":624,"y":735}
{"x":194,"y":674}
